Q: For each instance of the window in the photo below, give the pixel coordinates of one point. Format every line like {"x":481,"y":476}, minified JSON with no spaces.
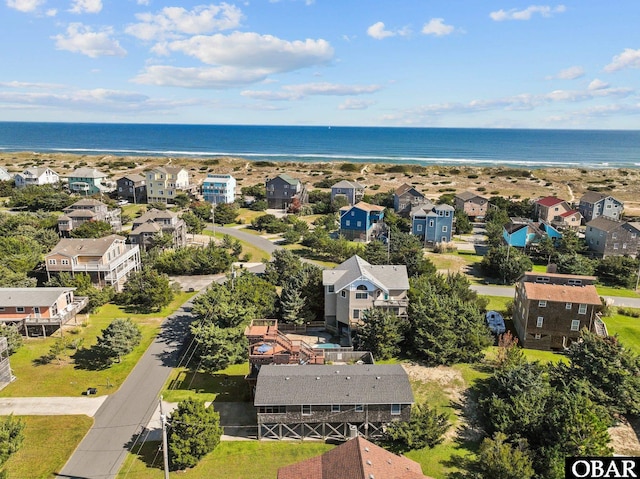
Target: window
{"x":358,"y":224}
{"x":335,"y":408}
{"x":343,"y":293}
{"x":568,"y":306}
{"x":52,"y":261}
{"x":19,"y":309}
{"x":575,"y":325}
{"x":359,"y":408}
{"x":582,"y":309}
{"x":356,"y":314}
{"x":539,"y":322}
{"x":330,"y":288}
{"x":542,"y":303}
{"x":431,"y":223}
{"x":362,"y":295}
{"x":347,"y":222}
{"x":418,"y":227}
{"x":574,"y":282}
{"x":306,"y":410}
{"x":542,"y":279}
{"x":537,"y":336}
{"x":272,"y":409}
{"x":396,"y":409}
{"x":444,"y":229}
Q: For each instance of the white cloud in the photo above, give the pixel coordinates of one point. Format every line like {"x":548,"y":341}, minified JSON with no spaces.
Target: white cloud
{"x":254,"y":51}
{"x":25,"y":5}
{"x":355,"y":104}
{"x":597,"y":84}
{"x":174,"y":22}
{"x":436,"y":27}
{"x":570,"y":73}
{"x":213,"y":78}
{"x":377,"y":31}
{"x":86,"y":6}
{"x":298,"y":92}
{"x":143,"y":2}
{"x":82,"y":39}
{"x":527,"y":13}
{"x":52,"y":12}
{"x":629,"y":58}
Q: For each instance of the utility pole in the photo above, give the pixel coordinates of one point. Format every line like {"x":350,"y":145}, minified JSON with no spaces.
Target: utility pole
{"x":165,"y":442}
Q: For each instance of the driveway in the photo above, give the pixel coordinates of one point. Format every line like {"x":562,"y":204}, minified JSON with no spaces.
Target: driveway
{"x":51,"y":406}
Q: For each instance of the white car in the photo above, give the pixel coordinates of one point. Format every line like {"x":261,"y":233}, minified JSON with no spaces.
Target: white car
{"x":123,"y":202}
{"x":495,"y":321}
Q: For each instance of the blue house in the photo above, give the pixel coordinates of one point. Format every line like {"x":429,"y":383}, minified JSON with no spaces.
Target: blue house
{"x":434,"y":224}
{"x":521,"y":232}
{"x":219,"y":188}
{"x":362,"y":221}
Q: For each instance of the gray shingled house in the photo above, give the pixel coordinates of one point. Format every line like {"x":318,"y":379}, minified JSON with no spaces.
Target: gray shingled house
{"x":283,"y":189}
{"x":594,"y":204}
{"x":607,"y":237}
{"x":335,"y":401}
{"x":355,"y":286}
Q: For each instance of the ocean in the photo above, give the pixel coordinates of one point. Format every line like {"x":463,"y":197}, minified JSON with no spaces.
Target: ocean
{"x":425,"y":146}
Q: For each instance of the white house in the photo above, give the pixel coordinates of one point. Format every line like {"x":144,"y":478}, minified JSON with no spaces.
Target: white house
{"x":36,"y":176}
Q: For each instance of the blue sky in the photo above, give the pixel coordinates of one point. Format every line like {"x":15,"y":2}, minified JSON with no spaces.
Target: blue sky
{"x":441,"y":63}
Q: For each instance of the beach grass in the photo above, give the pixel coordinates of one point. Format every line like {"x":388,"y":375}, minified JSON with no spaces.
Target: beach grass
{"x":63,"y":377}
{"x":48,"y":443}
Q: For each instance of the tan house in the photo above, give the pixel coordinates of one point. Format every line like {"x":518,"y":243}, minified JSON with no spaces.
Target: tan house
{"x":549,"y":208}
{"x":155,"y":222}
{"x":38,"y":310}
{"x":165,"y":182}
{"x":475,"y":206}
{"x":355,"y":286}
{"x":108,"y":261}
{"x":550,"y":310}
{"x":85,"y":210}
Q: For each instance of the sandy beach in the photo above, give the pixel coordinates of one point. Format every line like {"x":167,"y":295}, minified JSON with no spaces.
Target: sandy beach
{"x":433,"y":181}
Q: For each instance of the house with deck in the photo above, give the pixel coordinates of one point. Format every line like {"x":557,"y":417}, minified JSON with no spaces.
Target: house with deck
{"x":36,"y":176}
{"x":594,"y":204}
{"x":550,"y":309}
{"x":608,"y":237}
{"x":432,"y":223}
{"x":38,"y":311}
{"x":474,"y":205}
{"x":85,"y":210}
{"x":284,"y":190}
{"x":352,"y":191}
{"x":523,"y":232}
{"x":219,"y":188}
{"x":362,"y":222}
{"x":165,"y":182}
{"x":330,"y":401}
{"x":406,"y":198}
{"x":133,"y":188}
{"x":87,"y":181}
{"x":355,"y":286}
{"x":108,"y":261}
{"x":155,"y":222}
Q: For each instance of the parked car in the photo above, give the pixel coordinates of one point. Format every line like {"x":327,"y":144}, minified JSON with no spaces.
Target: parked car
{"x":495,"y":321}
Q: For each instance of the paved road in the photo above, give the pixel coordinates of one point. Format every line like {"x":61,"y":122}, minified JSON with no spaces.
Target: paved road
{"x":125,"y":413}
{"x":257,"y":241}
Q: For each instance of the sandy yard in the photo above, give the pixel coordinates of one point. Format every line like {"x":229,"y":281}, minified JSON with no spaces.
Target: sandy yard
{"x":433,"y":181}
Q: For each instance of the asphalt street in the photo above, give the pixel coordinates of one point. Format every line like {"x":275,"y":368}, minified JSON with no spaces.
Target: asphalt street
{"x":126,"y":413}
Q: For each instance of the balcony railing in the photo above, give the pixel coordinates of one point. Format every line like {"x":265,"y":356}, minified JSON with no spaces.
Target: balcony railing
{"x":71,"y":310}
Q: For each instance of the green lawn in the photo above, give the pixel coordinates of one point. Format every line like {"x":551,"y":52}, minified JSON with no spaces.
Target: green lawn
{"x":621,"y":292}
{"x":627,"y":329}
{"x":62,"y":378}
{"x":256,"y":254}
{"x":306,"y":252}
{"x":230,"y":460}
{"x":498,"y":303}
{"x":225,"y":385}
{"x":48,"y":444}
